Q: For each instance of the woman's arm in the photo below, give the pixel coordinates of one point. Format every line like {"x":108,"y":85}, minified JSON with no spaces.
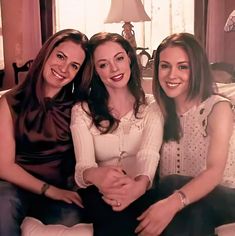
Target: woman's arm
{"x":12,"y":172}
{"x":87,"y":170}
{"x":146,"y":161}
{"x":220,"y":126}
{"x":148,"y":154}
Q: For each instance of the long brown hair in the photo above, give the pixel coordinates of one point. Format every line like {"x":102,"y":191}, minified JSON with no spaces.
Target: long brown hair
{"x":97,"y":96}
{"x":200,"y":82}
{"x":30,"y":90}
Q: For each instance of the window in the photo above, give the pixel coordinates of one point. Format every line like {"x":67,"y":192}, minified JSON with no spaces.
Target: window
{"x":167,"y":17}
{"x":1,"y":43}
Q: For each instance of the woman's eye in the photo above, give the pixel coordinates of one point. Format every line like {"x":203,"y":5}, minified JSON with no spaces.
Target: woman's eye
{"x":60,"y":56}
{"x":103,"y":65}
{"x":164,"y":66}
{"x":120,"y":58}
{"x":75,"y":67}
{"x":183,"y":67}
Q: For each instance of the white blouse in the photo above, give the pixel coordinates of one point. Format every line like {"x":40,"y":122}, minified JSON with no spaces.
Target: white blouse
{"x":134,"y":145}
{"x":188,"y":156}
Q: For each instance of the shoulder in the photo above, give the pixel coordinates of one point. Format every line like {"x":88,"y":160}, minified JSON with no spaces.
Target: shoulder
{"x":152,"y":108}
{"x":4,"y":108}
{"x":80,"y":113}
{"x":221,"y":108}
{"x":221,"y":114}
{"x":212,"y":102}
{"x":3,"y":102}
{"x":217,"y":103}
{"x":80,"y":107}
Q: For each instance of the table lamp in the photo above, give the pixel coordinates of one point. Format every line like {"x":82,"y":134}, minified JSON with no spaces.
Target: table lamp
{"x":230,"y":23}
{"x":127,"y":11}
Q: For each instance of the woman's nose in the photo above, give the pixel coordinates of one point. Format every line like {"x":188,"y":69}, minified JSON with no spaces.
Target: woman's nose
{"x":173,"y":72}
{"x":63,"y":66}
{"x":113,"y":66}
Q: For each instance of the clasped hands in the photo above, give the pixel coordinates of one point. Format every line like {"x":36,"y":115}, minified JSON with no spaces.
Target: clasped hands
{"x":118,"y":189}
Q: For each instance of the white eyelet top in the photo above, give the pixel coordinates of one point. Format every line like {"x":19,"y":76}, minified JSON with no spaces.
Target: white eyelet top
{"x":188,"y":156}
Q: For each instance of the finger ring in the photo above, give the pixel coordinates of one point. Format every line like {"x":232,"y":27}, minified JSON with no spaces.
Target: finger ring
{"x":118,"y":203}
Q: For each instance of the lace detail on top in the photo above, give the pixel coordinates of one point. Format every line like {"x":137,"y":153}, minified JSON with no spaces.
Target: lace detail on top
{"x":134,"y":144}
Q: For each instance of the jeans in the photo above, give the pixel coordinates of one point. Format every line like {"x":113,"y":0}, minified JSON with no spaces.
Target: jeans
{"x":203,"y":216}
{"x":108,"y":222}
{"x":16,"y":204}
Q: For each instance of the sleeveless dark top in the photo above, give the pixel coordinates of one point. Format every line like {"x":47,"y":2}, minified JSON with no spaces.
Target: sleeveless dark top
{"x":45,"y":147}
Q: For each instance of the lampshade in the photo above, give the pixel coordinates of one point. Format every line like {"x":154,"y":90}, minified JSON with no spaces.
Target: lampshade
{"x":230,"y":23}
{"x":126,"y":11}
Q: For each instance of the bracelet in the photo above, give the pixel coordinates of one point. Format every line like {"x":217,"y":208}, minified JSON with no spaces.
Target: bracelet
{"x":183,"y":198}
{"x":44,"y":188}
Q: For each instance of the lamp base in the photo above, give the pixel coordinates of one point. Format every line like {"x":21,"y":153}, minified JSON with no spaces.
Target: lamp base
{"x":129,"y":34}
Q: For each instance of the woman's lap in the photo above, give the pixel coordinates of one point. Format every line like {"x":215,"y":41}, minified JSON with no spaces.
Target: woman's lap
{"x":108,"y":222}
{"x":16,"y":203}
{"x":199,"y":218}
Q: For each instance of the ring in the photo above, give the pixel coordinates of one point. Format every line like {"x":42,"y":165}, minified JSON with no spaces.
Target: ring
{"x":118,"y":203}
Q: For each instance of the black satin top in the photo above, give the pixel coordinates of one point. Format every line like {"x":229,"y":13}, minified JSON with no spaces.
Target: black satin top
{"x":44,"y":146}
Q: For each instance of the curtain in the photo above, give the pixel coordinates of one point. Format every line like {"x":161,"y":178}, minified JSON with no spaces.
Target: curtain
{"x":215,"y":30}
{"x":167,"y":17}
{"x":46,"y":17}
{"x":31,"y":41}
{"x":200,"y":21}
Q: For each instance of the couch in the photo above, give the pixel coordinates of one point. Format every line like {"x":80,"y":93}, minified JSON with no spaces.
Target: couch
{"x":34,"y":227}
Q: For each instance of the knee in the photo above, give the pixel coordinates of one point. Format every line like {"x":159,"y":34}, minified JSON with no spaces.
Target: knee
{"x":9,"y":201}
{"x":8,"y":193}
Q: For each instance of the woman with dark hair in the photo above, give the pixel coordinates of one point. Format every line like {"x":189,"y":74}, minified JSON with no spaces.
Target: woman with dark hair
{"x":197,"y":170}
{"x":115,"y":132}
{"x":36,"y":150}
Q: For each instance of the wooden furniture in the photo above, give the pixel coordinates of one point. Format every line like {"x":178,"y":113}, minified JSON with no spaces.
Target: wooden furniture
{"x":145,"y":61}
{"x":2,"y":73}
{"x":18,"y":69}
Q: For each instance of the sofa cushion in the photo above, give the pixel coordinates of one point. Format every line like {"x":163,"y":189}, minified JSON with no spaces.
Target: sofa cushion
{"x":225,"y":230}
{"x":34,"y":227}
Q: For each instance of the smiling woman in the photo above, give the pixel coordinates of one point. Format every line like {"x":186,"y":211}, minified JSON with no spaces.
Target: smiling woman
{"x":116,"y":113}
{"x":37,"y":156}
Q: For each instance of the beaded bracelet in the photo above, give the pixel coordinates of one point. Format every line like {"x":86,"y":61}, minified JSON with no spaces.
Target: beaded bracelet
{"x":44,"y":188}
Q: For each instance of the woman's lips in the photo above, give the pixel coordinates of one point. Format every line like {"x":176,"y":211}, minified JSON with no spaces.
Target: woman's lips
{"x":117,"y":78}
{"x":56,"y":74}
{"x":172,"y":85}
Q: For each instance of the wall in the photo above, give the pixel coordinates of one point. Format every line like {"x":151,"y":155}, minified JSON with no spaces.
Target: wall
{"x":21,"y":34}
{"x":11,"y":36}
{"x":220,"y":44}
{"x":229,"y":37}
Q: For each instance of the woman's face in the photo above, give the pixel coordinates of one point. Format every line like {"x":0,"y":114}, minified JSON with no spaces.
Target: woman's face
{"x":174,"y":72}
{"x":112,"y":64}
{"x":62,"y":66}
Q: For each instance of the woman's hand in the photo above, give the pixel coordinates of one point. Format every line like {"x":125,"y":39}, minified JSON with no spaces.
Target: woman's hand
{"x":155,"y":219}
{"x":105,"y":178}
{"x":64,"y":195}
{"x":131,"y":189}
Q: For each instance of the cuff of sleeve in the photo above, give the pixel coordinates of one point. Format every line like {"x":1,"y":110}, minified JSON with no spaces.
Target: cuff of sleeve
{"x":79,"y":175}
{"x":147,"y":168}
